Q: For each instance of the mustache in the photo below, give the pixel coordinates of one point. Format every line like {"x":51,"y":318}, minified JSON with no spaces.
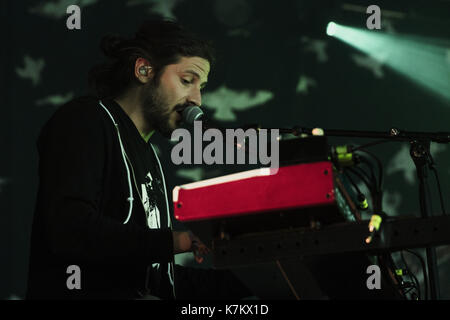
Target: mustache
{"x":181,"y":107}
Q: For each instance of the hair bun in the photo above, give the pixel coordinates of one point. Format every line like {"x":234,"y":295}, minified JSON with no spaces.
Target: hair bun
{"x":111,"y":44}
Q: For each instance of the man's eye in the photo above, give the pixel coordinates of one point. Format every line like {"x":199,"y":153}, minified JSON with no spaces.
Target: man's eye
{"x":184,"y":81}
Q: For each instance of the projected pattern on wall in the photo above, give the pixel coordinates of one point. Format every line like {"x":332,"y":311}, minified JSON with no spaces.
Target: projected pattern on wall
{"x":277,"y":67}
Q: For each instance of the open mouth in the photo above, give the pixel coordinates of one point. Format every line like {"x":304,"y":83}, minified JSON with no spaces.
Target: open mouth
{"x":180,"y":110}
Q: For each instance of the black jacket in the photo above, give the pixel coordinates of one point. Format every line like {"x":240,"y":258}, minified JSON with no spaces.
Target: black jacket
{"x":82,"y":204}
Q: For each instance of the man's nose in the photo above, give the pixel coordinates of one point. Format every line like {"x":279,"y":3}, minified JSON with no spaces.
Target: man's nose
{"x":195,"y":97}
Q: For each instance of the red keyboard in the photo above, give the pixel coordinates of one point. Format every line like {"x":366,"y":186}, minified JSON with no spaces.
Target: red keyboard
{"x":256,"y":191}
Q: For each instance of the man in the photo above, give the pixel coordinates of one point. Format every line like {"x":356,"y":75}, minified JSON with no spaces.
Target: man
{"x":102,"y":227}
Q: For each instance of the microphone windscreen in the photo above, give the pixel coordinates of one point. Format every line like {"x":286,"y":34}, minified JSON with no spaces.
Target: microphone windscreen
{"x":191,"y":114}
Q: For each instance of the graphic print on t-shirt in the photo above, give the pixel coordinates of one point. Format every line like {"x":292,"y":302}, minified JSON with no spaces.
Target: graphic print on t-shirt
{"x":149,"y":202}
{"x":150,"y":207}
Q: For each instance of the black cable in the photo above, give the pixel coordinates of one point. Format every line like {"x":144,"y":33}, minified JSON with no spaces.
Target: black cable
{"x":370,"y":144}
{"x":380,"y":176}
{"x":379,"y":165}
{"x":410,"y":289}
{"x":385,"y":261}
{"x":352,"y":182}
{"x":373,"y":189}
{"x":365,"y":161}
{"x":417,"y":284}
{"x":377,"y":196}
{"x":377,"y":199}
{"x":378,"y":187}
{"x":360,"y":197}
{"x":424,"y":271}
{"x":439,"y":189}
{"x":361,"y":177}
{"x":432,"y":167}
{"x":366,"y":180}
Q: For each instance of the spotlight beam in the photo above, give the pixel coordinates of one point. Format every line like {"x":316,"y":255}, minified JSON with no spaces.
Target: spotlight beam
{"x":426,"y":63}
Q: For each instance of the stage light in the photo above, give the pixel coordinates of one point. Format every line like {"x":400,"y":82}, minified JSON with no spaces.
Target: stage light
{"x":331,"y":29}
{"x":424,"y":61}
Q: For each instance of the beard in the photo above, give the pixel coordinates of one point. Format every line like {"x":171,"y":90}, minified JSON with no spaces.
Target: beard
{"x":157,"y":111}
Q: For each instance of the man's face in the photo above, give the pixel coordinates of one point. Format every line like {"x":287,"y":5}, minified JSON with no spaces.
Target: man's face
{"x":178,"y":87}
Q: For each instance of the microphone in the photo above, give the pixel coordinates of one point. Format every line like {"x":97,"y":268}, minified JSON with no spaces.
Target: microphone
{"x":194,"y":113}
{"x":191,"y":114}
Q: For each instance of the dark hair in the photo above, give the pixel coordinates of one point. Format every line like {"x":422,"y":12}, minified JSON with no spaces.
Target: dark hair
{"x":162,"y":42}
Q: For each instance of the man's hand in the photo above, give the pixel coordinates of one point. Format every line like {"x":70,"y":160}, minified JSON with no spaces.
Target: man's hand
{"x":186,"y":241}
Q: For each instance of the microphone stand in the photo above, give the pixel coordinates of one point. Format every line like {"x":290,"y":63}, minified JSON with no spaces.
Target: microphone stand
{"x":393,"y":134}
{"x":420,"y":154}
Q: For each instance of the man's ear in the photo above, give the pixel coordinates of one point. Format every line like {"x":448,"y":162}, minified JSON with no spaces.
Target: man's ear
{"x":143,"y":70}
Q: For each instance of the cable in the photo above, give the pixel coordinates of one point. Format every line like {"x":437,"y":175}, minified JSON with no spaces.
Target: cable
{"x":283,"y":273}
{"x":360,"y":197}
{"x":370,"y":144}
{"x":377,"y":199}
{"x":376,"y":192}
{"x":387,"y":263}
{"x":439,"y":189}
{"x":417,"y":284}
{"x":369,"y":165}
{"x":361,"y":177}
{"x":379,"y":165}
{"x":377,"y":196}
{"x":361,"y":174}
{"x":432,"y":167}
{"x":424,"y":271}
{"x":352,"y":182}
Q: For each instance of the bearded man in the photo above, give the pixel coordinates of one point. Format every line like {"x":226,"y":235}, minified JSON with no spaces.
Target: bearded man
{"x":102,"y":227}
